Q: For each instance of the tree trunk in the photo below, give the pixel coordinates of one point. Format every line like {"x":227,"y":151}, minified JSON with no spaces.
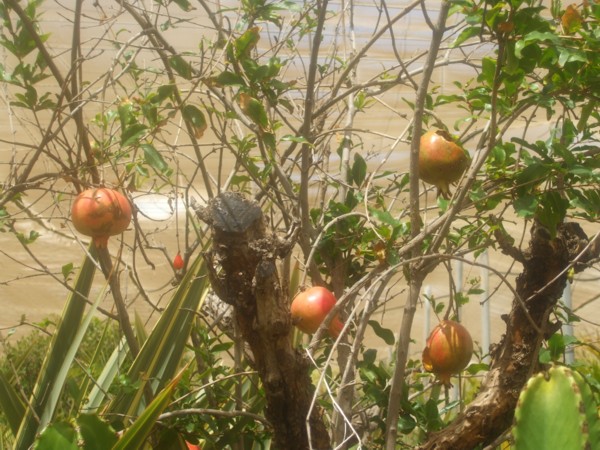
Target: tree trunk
{"x":514,"y":359}
{"x":244,"y":274}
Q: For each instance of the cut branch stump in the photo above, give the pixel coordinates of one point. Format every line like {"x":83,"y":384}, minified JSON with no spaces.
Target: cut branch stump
{"x":243,"y":272}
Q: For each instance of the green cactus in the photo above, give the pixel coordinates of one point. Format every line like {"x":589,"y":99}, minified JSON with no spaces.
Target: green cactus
{"x":557,"y":410}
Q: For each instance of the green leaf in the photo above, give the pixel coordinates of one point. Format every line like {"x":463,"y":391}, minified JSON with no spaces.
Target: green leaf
{"x":466,"y":34}
{"x":95,"y":433}
{"x":53,"y":371}
{"x":246,"y":42}
{"x":135,"y":436}
{"x":533,"y":174}
{"x":163,"y":92}
{"x":195,"y":118}
{"x":438,"y":308}
{"x":534,"y":37}
{"x":488,"y":71}
{"x":443,"y":203}
{"x":566,"y":55}
{"x":184,"y":4}
{"x":181,"y":66}
{"x":432,"y":415}
{"x":103,"y":382}
{"x":33,"y":235}
{"x":384,"y":333}
{"x":10,"y":404}
{"x":475,"y":368}
{"x":526,"y":205}
{"x":444,"y":99}
{"x":557,"y":346}
{"x":370,"y":356}
{"x":384,"y":216}
{"x":553,"y":209}
{"x":67,"y":270}
{"x":140,"y":330}
{"x":227,"y":78}
{"x":588,"y":200}
{"x":545,"y":356}
{"x":132,"y":134}
{"x":359,"y":170}
{"x":292,"y":138}
{"x":126,"y":116}
{"x":254,"y":109}
{"x":160,"y":355}
{"x":60,"y":436}
{"x":406,"y":423}
{"x":154,"y":159}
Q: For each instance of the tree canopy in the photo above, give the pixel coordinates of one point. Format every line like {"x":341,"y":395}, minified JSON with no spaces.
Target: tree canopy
{"x":268,"y":146}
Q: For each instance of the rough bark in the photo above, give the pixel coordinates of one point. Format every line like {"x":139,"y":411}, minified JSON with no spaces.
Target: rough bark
{"x":514,"y":359}
{"x":243,"y":270}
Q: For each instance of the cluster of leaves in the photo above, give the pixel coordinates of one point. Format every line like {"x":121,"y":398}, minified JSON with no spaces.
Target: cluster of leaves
{"x":542,"y":64}
{"x":19,"y":41}
{"x":208,"y":387}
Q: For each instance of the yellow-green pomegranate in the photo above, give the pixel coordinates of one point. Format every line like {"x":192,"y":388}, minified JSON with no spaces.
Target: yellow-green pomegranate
{"x":441,"y":161}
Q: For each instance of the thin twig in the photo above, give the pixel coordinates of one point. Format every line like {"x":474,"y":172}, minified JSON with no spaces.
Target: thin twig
{"x":416,"y":275}
{"x":214,"y":412}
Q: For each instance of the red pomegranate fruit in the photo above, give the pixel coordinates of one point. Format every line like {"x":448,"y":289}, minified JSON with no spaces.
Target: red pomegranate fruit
{"x":101,"y":213}
{"x":441,"y":161}
{"x":309,"y":309}
{"x":448,"y":350}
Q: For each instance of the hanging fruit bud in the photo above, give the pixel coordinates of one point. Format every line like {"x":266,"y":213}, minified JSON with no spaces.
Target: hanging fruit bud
{"x":178,"y":262}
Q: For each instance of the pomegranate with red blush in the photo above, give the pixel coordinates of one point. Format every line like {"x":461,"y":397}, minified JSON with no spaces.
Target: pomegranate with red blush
{"x":309,"y":309}
{"x":100,"y":213}
{"x":448,"y":350}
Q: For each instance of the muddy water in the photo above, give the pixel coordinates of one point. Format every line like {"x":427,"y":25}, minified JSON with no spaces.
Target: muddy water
{"x":28,"y":293}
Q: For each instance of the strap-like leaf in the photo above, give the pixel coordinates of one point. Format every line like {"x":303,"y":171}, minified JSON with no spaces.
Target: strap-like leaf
{"x":106,"y":377}
{"x":160,"y":355}
{"x":134,"y":436}
{"x":11,"y":405}
{"x":63,"y":338}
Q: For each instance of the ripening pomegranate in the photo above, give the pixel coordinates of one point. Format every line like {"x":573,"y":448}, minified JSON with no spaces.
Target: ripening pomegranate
{"x":441,"y":161}
{"x":309,"y":309}
{"x":101,"y":213}
{"x":448,"y":350}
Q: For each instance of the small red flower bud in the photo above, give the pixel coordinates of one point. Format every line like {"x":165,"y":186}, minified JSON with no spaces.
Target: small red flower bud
{"x":178,"y":261}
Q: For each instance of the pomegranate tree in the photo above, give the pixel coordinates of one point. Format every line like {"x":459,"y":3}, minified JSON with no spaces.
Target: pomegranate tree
{"x":441,"y":161}
{"x":101,"y":213}
{"x":309,"y":309}
{"x":448,"y":350}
